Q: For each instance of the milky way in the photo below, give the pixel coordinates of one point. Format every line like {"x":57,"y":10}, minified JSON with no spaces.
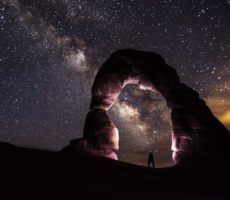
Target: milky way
{"x":51,"y":50}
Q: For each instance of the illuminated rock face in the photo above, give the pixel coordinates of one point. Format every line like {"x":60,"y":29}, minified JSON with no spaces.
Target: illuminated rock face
{"x":196,"y":133}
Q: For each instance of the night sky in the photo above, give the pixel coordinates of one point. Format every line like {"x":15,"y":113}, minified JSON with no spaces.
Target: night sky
{"x":50,"y":52}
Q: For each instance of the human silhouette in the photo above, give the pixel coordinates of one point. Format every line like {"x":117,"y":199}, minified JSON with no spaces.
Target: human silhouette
{"x":151,"y":160}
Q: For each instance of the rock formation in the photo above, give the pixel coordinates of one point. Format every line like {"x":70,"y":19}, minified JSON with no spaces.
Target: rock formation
{"x":196,"y":133}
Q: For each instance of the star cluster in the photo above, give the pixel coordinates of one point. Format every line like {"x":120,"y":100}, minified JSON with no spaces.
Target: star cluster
{"x":51,"y":50}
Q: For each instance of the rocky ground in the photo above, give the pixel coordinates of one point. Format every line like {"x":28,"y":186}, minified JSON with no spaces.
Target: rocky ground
{"x":37,"y":174}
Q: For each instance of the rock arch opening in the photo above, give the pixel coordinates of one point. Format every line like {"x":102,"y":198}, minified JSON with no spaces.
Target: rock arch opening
{"x":196,"y":133}
{"x":144,"y":124}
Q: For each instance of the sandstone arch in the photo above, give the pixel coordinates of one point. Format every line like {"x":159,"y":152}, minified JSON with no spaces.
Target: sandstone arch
{"x":196,"y":133}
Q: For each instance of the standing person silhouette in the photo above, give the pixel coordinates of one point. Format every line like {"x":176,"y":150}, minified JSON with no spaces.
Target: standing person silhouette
{"x":151,"y":160}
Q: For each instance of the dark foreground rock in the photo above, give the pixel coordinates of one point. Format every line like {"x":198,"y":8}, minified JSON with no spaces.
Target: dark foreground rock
{"x":36,"y":174}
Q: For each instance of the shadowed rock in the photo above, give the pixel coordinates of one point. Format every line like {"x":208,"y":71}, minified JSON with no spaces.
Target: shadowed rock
{"x":100,"y":132}
{"x":196,"y":133}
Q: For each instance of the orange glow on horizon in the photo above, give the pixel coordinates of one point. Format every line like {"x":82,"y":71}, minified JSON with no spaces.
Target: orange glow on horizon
{"x":225,"y":118}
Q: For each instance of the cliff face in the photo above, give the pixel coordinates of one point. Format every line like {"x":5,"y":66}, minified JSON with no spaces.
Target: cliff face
{"x":196,"y":133}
